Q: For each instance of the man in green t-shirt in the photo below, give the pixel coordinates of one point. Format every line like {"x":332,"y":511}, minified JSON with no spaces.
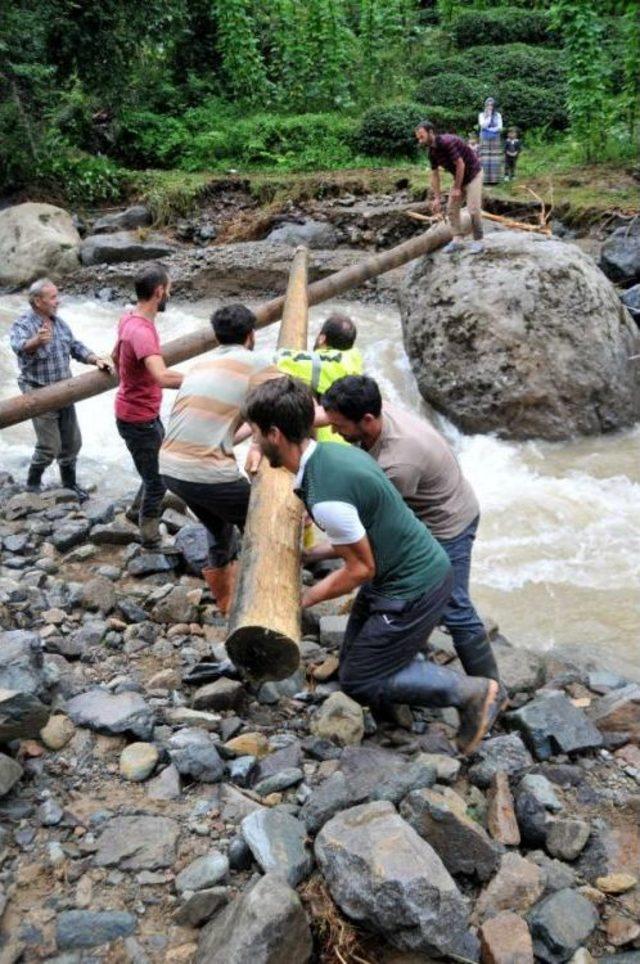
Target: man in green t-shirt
{"x":403,"y":574}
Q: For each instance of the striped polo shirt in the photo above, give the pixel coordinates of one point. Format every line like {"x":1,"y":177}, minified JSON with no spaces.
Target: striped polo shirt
{"x":198,"y":446}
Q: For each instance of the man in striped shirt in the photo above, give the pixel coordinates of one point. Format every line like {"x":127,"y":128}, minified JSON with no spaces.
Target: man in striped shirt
{"x":197,"y":460}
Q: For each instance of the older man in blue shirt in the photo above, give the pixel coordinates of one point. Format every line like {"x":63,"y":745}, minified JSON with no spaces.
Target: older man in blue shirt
{"x":44,"y":344}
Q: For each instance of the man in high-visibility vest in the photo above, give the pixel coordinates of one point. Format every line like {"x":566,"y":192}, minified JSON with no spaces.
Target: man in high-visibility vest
{"x":333,"y":357}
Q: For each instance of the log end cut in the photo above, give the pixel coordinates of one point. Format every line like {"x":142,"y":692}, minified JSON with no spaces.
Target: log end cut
{"x":262,"y":653}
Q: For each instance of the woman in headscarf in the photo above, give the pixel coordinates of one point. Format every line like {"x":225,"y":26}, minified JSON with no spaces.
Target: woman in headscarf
{"x":491,"y":153}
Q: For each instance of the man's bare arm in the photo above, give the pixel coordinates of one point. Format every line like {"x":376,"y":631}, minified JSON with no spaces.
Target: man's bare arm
{"x":163,"y":376}
{"x":359,"y":567}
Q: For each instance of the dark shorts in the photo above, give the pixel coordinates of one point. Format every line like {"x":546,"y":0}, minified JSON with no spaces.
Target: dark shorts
{"x":221,"y":507}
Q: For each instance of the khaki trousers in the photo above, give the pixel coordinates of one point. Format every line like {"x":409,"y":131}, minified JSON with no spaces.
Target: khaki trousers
{"x":472,"y":195}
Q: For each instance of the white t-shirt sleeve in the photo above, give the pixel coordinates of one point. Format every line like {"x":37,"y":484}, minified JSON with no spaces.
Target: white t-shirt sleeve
{"x":340,"y":521}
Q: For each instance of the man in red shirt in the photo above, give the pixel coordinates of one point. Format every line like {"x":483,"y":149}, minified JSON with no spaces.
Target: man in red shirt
{"x":460,"y":160}
{"x":143,"y":374}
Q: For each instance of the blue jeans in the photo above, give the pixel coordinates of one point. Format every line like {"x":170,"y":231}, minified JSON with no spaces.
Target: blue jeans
{"x":460,"y":616}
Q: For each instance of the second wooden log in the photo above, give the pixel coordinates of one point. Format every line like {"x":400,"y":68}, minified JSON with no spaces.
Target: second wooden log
{"x":264,"y":626}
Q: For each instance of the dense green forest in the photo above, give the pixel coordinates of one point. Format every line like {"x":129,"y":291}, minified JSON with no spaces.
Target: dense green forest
{"x":91,"y":93}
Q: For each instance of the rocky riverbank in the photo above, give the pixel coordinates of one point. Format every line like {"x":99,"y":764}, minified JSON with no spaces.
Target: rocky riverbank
{"x":145,"y":818}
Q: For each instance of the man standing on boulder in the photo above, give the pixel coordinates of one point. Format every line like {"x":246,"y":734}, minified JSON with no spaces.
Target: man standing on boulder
{"x":457,"y":157}
{"x":143,"y":374}
{"x":197,"y":461}
{"x":424,"y":470}
{"x":44,"y":344}
{"x":403,"y":574}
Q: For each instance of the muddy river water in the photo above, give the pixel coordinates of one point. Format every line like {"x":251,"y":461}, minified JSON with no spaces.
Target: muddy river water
{"x":557,"y":562}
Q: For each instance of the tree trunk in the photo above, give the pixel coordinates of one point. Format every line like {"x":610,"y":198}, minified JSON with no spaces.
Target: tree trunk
{"x":265,"y":617}
{"x":55,"y":396}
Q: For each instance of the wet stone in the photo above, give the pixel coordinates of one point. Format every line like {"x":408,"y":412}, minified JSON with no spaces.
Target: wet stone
{"x":203,"y":872}
{"x":560,"y":924}
{"x":517,"y":886}
{"x":532,"y":819}
{"x":10,"y":773}
{"x":149,"y":563}
{"x":201,"y":906}
{"x":50,"y":813}
{"x":380,"y":872}
{"x":279,"y":781}
{"x":264,"y":925}
{"x":85,"y":928}
{"x":541,"y":789}
{"x":551,"y":724}
{"x":138,"y":843}
{"x":22,"y":715}
{"x":194,"y":754}
{"x":138,"y":761}
{"x":166,"y":786}
{"x":277,"y":841}
{"x":440,"y":816}
{"x":99,"y":594}
{"x":505,"y":939}
{"x":223,"y":694}
{"x":113,"y":713}
{"x":240,"y":855}
{"x":242,"y":770}
{"x":567,"y":838}
{"x":57,"y":733}
{"x":619,"y":712}
{"x":70,"y":534}
{"x":501,"y":818}
{"x":506,"y":754}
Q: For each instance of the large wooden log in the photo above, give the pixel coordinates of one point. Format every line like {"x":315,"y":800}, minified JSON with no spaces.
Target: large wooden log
{"x":20,"y":408}
{"x":264,"y":626}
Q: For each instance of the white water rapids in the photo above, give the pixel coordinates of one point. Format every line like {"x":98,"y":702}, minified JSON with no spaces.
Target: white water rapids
{"x":557,"y":561}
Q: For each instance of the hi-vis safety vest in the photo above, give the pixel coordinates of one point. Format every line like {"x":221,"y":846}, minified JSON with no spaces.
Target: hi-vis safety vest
{"x":320,"y":369}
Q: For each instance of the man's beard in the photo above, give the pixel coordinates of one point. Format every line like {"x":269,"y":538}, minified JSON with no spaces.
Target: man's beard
{"x":272,"y":455}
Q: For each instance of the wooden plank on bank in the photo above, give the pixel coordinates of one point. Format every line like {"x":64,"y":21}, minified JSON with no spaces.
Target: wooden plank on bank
{"x":264,"y":626}
{"x":498,"y":218}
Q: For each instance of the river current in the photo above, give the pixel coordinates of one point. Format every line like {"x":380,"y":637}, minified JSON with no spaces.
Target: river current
{"x":557,"y":560}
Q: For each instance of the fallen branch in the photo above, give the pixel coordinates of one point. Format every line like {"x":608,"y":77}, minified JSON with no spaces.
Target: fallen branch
{"x":498,"y":218}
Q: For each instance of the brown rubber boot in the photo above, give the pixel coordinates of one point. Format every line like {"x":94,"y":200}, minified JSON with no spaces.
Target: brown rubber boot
{"x":478,"y":713}
{"x":222,"y":583}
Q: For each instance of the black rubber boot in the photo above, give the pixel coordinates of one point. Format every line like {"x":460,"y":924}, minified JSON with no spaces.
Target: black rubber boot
{"x":68,"y":479}
{"x":477,"y":657}
{"x":34,"y":477}
{"x":477,"y":700}
{"x":152,"y":541}
{"x":423,"y":683}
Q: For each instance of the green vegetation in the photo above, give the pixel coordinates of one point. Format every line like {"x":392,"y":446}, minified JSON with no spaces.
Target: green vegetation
{"x":93,"y":94}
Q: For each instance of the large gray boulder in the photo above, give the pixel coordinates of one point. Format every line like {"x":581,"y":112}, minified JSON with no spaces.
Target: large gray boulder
{"x":121,"y":246}
{"x":382,"y":874}
{"x":36,"y":240}
{"x":620,"y":255}
{"x":313,"y":234}
{"x":137,"y":216}
{"x":527,"y":339}
{"x":265,"y":925}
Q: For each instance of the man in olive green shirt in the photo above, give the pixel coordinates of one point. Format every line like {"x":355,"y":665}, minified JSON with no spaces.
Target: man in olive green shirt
{"x":403,"y":575}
